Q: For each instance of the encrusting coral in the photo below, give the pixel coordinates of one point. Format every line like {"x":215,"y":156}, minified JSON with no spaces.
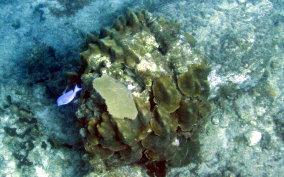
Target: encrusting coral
{"x":145,"y":93}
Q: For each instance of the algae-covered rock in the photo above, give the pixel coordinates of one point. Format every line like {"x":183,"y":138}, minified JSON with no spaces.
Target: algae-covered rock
{"x":145,"y":93}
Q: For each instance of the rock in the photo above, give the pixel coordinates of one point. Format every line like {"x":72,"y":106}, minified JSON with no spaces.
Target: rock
{"x":253,"y":137}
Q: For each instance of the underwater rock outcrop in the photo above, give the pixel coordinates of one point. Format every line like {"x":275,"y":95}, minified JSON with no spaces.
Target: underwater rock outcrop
{"x":145,"y":93}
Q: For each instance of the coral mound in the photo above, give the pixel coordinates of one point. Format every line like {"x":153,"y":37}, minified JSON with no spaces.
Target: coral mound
{"x":145,"y":93}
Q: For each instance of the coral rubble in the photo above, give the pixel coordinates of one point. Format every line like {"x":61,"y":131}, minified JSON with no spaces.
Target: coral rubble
{"x":145,"y":93}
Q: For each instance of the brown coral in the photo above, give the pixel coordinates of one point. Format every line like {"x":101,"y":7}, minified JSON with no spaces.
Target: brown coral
{"x":162,"y":75}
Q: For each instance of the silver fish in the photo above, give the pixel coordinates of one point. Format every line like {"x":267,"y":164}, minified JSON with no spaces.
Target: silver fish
{"x":68,"y":96}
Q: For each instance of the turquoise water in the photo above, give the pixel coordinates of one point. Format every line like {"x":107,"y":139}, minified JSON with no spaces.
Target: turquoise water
{"x":41,"y":41}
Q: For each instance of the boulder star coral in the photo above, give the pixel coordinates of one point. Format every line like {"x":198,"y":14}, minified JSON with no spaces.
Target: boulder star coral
{"x":145,"y":93}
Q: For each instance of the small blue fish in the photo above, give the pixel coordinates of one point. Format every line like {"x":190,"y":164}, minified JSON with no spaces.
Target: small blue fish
{"x":68,"y":96}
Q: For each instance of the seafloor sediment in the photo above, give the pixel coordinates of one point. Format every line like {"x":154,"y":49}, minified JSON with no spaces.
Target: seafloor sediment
{"x":243,"y":43}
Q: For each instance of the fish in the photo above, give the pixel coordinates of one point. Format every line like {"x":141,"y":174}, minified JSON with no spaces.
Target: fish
{"x":68,"y":96}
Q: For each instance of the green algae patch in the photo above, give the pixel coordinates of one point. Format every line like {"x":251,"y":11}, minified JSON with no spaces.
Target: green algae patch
{"x":117,"y":97}
{"x":156,"y":120}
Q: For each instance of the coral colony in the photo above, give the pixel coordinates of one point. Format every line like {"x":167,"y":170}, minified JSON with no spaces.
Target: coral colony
{"x":145,"y":94}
